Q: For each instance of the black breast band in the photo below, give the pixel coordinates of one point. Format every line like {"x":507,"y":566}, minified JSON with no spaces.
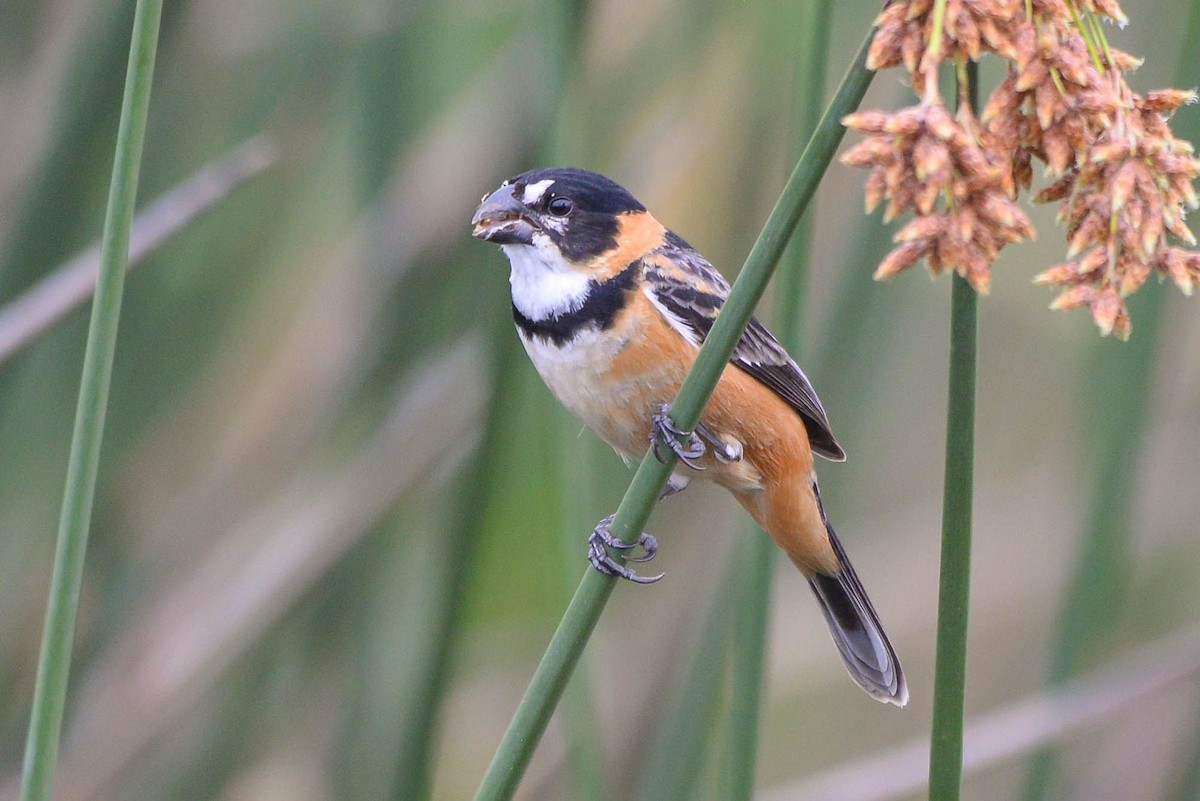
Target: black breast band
{"x":604,"y":300}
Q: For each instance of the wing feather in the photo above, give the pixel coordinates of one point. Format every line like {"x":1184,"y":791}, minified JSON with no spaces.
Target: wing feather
{"x":690,"y":292}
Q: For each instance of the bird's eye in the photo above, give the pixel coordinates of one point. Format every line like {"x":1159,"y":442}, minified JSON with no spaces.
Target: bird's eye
{"x":560,"y":206}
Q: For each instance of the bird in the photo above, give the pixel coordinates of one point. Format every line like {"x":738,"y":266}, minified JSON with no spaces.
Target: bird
{"x":612,"y":308}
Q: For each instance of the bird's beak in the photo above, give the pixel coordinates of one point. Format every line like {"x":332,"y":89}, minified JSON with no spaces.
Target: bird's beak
{"x":503,"y":219}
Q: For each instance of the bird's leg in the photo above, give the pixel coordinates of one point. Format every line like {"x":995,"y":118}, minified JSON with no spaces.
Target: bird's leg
{"x":684,"y":444}
{"x":598,"y":556}
{"x":676,"y":483}
{"x":726,"y":452}
{"x":601,"y":538}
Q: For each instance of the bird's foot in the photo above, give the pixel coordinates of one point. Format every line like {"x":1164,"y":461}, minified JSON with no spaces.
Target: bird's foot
{"x":601,"y":538}
{"x":690,"y":445}
{"x":684,"y":444}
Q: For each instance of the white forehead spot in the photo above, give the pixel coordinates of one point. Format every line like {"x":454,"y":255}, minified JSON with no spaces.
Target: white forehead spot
{"x":534,"y":191}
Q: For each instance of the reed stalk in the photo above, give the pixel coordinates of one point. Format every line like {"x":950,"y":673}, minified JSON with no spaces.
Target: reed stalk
{"x":54,"y":663}
{"x":950,"y":669}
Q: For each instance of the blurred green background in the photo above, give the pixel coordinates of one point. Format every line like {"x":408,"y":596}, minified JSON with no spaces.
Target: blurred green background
{"x":339,"y":515}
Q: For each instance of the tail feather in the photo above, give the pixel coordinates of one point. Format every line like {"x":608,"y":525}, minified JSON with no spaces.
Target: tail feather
{"x":854,"y":624}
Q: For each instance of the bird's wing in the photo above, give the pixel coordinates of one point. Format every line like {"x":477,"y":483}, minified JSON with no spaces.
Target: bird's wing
{"x":689,"y":292}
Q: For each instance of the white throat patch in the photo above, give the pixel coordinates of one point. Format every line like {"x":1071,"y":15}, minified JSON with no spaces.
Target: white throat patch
{"x":543,"y":284}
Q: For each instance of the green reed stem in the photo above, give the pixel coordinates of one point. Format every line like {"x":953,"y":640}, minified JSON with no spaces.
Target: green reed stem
{"x":41,"y":747}
{"x":748,"y":643}
{"x":950,"y":669}
{"x":414,"y":767}
{"x":579,"y":620}
{"x":945,"y":758}
{"x":752,"y":608}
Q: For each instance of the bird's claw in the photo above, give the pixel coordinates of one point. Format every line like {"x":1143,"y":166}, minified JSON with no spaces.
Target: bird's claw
{"x":601,"y":538}
{"x":684,"y":444}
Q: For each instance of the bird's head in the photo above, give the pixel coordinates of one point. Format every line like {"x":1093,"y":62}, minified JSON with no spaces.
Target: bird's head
{"x":578,"y":215}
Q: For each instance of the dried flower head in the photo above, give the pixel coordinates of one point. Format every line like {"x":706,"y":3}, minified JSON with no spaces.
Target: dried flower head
{"x":1120,"y":206}
{"x":906,"y":33}
{"x":923,"y":160}
{"x":1124,"y":181}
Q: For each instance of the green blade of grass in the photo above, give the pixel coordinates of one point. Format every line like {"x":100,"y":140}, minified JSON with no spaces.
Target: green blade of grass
{"x":41,"y":748}
{"x":945,"y":755}
{"x":748,"y":642}
{"x":529,"y":722}
{"x":414,"y":768}
{"x":752,"y":604}
{"x":954,"y":589}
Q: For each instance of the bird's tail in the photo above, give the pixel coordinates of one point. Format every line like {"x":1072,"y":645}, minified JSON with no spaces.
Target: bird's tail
{"x":856,"y":629}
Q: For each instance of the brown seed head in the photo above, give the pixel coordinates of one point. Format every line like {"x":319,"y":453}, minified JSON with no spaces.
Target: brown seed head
{"x":1122,"y":179}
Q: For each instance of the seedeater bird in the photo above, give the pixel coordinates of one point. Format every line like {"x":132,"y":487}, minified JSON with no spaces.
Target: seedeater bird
{"x":612,"y":308}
